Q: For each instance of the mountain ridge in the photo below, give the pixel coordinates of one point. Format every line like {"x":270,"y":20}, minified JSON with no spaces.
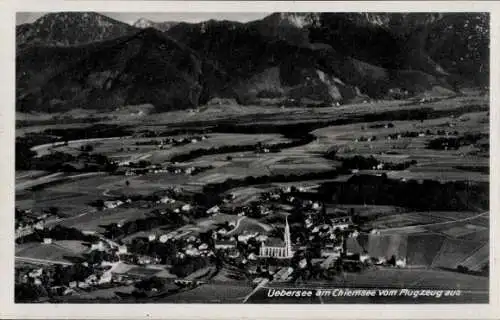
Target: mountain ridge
{"x":306,"y":58}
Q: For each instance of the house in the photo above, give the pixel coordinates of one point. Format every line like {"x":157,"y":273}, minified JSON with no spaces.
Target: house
{"x":221,"y":231}
{"x":186,"y":207}
{"x":122,"y":249}
{"x":233,"y":253}
{"x":303,"y":263}
{"x":83,"y":285}
{"x":105,"y":278}
{"x":152,"y":237}
{"x":97,"y":246}
{"x":225,"y":244}
{"x":47,"y":240}
{"x":203,"y":246}
{"x":144,"y":260}
{"x":39,"y":225}
{"x":166,"y":199}
{"x":261,"y":238}
{"x":331,"y":251}
{"x":286,"y":189}
{"x":315,"y":206}
{"x":245,"y":237}
{"x":401,"y":263}
{"x":92,"y":279}
{"x":165,"y":237}
{"x":364,"y":257}
{"x":214,"y":209}
{"x":192,"y":252}
{"x":283,"y":273}
{"x":252,"y":270}
{"x":341,"y":223}
{"x":35,"y":273}
{"x":110,"y":204}
{"x":180,"y":255}
{"x":308,"y":223}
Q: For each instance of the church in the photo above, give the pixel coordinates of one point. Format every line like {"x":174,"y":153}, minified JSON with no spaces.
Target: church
{"x":279,"y":252}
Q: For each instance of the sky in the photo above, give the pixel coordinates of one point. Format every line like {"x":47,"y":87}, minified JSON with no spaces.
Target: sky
{"x":131,"y":17}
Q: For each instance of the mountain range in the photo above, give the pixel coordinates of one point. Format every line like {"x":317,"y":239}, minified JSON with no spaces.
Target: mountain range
{"x":87,"y":60}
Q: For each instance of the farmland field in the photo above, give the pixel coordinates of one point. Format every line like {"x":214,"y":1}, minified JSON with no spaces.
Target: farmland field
{"x":57,"y":251}
{"x":478,"y":259}
{"x":422,"y":248}
{"x":385,"y":245}
{"x":453,"y":252}
{"x":213,"y":293}
{"x":95,"y":221}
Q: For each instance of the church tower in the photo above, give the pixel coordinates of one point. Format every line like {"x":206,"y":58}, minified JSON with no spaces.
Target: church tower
{"x":288,"y":242}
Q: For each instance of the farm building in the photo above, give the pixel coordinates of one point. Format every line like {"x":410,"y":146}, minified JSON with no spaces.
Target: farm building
{"x":225,"y":244}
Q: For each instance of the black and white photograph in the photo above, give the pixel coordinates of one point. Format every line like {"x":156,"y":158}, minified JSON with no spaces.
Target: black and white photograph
{"x":252,"y":158}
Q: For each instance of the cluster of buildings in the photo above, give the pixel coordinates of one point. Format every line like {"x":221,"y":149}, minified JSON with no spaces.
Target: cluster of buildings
{"x":157,"y":168}
{"x":26,"y":222}
{"x":162,"y":143}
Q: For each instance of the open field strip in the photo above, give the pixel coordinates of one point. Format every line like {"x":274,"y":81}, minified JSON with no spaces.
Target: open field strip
{"x":41,"y":261}
{"x":43,"y":149}
{"x":409,"y":228}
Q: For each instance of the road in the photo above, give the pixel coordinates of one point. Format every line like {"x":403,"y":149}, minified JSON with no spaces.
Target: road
{"x":257,"y":288}
{"x":236,"y":226}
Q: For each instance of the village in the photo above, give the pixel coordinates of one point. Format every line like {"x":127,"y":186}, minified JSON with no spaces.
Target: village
{"x":312,"y":244}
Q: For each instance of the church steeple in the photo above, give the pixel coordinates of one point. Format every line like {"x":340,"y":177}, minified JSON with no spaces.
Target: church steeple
{"x":288,"y":242}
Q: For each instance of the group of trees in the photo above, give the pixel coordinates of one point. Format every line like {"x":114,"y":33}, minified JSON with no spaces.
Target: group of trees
{"x":59,"y":120}
{"x":51,"y":277}
{"x":57,"y":233}
{"x":65,"y":162}
{"x":149,"y":284}
{"x":367,"y":163}
{"x":169,"y":218}
{"x":29,"y":292}
{"x":89,"y":132}
{"x":381,"y":125}
{"x":240,"y":148}
{"x":25,"y":158}
{"x":63,"y":275}
{"x":217,"y":188}
{"x":427,"y":195}
{"x":165,"y":251}
{"x":188,"y":265}
{"x":455,"y":142}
